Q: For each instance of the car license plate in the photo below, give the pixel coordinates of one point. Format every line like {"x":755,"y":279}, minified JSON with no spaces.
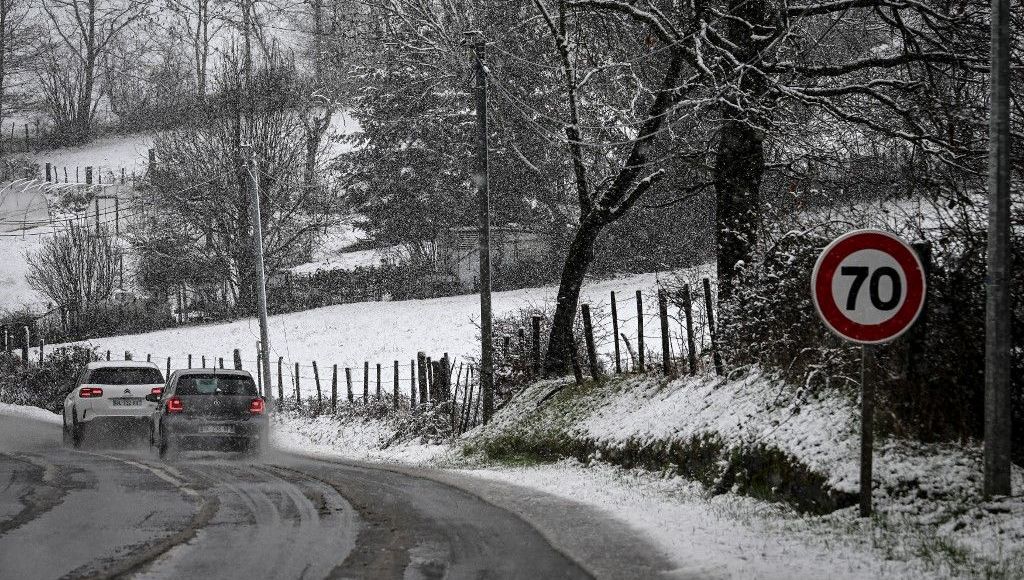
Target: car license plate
{"x":127,"y":402}
{"x":219,"y":429}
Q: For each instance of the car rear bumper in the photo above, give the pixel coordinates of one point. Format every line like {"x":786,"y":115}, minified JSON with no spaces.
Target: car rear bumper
{"x":214,"y":429}
{"x":97,"y":412}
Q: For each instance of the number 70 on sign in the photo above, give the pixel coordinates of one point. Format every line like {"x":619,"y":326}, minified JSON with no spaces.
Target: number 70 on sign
{"x":868,"y":286}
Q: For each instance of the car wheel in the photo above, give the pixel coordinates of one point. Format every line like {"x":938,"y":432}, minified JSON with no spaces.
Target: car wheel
{"x":65,"y":432}
{"x":167,"y":448}
{"x":77,"y":432}
{"x":253,"y":447}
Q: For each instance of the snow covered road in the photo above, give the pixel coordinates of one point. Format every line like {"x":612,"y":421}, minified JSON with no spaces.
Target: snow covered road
{"x":103,"y":512}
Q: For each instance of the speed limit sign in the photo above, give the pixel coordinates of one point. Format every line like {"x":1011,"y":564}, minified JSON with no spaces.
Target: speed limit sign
{"x":868,"y":286}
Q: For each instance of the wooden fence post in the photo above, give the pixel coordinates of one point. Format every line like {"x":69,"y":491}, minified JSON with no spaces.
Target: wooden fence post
{"x":522,"y":343}
{"x":348,"y":382}
{"x":433,"y":377}
{"x":378,"y":381}
{"x":366,"y":382}
{"x":334,"y":388}
{"x":455,"y":398}
{"x":319,"y":394}
{"x":506,"y":343}
{"x":588,"y":331}
{"x":412,"y":384}
{"x":42,"y":346}
{"x":394,"y":402}
{"x":691,"y":346}
{"x":615,"y":332}
{"x":536,"y":345}
{"x":149,"y":357}
{"x":666,"y":352}
{"x":446,"y":377}
{"x":421,"y":369}
{"x":238,"y":360}
{"x":280,"y":378}
{"x":431,"y":388}
{"x":202,"y":361}
{"x":639,"y":332}
{"x":469,"y":400}
{"x":574,"y":358}
{"x":298,"y":390}
{"x":168,"y":366}
{"x":220,"y":362}
{"x":479,"y":396}
{"x":708,"y":304}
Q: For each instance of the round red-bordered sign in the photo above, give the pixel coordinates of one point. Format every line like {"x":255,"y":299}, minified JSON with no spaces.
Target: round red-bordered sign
{"x":868,"y":286}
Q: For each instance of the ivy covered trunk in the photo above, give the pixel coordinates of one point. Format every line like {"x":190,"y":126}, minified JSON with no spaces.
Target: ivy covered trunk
{"x":739,"y":162}
{"x":578,"y":260}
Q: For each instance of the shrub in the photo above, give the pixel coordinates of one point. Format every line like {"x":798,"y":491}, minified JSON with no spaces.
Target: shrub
{"x":937,"y":394}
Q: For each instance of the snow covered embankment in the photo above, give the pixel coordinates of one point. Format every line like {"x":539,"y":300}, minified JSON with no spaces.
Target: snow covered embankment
{"x":747,"y":435}
{"x":682,"y":438}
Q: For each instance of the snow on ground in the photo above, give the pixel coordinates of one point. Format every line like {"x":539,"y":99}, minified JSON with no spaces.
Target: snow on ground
{"x":15,"y":292}
{"x":112,"y":153}
{"x":722,"y":537}
{"x":931,"y":522}
{"x":334,"y":251}
{"x":378,"y":332}
{"x":360,"y":438}
{"x":29,"y":412}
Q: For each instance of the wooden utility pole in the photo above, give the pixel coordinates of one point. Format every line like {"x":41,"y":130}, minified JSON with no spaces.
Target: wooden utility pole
{"x":481,"y":179}
{"x":998,"y":299}
{"x":261,"y":275}
{"x":615,"y":331}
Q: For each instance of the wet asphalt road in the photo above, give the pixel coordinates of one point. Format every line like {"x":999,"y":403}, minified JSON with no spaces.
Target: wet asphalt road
{"x":103,"y":512}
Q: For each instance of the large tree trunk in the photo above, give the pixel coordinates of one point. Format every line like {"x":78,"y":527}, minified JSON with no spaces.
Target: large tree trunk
{"x":739,"y":167}
{"x":577,"y":262}
{"x":739,"y":162}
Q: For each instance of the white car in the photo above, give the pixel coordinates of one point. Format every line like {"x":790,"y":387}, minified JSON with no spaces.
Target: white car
{"x":109,"y":393}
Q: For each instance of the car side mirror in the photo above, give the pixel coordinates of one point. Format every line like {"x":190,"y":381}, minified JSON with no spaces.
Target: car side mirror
{"x":153,"y":398}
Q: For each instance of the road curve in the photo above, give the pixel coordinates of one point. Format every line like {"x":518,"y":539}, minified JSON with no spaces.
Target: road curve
{"x":99,"y":513}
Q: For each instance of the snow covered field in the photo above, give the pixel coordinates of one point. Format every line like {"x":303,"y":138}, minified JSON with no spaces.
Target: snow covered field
{"x":378,"y":332}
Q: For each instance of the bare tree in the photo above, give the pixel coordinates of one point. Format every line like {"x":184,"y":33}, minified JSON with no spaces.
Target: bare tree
{"x":201,"y":184}
{"x":83,"y":33}
{"x":76,"y":268}
{"x":15,"y":48}
{"x":199,"y":22}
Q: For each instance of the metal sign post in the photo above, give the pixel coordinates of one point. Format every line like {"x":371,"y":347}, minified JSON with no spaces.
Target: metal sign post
{"x":868,"y":287}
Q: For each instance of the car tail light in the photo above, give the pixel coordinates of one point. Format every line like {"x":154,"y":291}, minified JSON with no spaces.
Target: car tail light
{"x":90,"y":392}
{"x":156,"y":391}
{"x":256,"y":407}
{"x":174,"y":405}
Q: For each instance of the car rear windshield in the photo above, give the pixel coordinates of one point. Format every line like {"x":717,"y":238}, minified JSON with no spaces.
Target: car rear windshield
{"x":125,"y":376}
{"x":214,"y":384}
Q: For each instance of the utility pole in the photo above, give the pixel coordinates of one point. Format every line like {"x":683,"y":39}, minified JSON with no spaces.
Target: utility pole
{"x":261,"y":278}
{"x":997,"y":303}
{"x":481,"y":179}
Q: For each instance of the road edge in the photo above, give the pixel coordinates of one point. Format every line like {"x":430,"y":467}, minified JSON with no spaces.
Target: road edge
{"x":595,"y":541}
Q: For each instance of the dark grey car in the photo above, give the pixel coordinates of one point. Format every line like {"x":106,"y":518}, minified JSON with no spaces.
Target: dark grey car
{"x":209,"y":408}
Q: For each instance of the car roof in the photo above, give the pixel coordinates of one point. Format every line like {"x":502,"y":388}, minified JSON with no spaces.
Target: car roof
{"x":119,"y":364}
{"x":198,"y":371}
